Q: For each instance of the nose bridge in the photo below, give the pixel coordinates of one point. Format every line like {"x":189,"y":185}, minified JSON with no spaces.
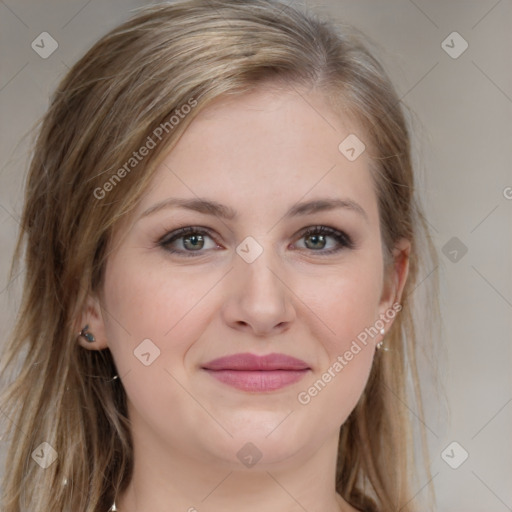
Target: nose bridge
{"x":258,"y":296}
{"x":258,"y":267}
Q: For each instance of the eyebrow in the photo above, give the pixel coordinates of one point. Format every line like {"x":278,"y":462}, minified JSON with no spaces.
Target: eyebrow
{"x":216,"y":209}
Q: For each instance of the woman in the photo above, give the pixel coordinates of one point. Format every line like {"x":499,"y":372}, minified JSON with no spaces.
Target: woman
{"x":222,"y":239}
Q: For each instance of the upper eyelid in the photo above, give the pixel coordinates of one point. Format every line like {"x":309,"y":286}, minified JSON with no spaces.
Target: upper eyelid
{"x":185,"y":230}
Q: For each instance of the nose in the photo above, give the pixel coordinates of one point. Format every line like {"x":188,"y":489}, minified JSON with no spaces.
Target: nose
{"x":258,"y":300}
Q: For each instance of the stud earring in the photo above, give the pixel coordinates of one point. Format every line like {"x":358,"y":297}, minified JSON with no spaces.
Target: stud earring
{"x":87,"y":335}
{"x":380,"y":343}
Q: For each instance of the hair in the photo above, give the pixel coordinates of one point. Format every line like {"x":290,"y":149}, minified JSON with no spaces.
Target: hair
{"x":109,"y":105}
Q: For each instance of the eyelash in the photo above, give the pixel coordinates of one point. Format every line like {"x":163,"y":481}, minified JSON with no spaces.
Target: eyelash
{"x":342,"y":238}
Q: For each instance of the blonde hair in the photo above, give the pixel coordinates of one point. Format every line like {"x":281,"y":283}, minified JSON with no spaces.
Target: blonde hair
{"x":126,"y":86}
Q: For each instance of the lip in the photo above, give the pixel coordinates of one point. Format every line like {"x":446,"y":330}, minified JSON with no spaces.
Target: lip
{"x":250,"y":372}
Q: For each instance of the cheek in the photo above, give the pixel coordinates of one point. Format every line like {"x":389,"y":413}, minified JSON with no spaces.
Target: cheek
{"x":157,"y":303}
{"x":349,"y":303}
{"x":335,"y":388}
{"x":348,"y":306}
{"x":149,"y":330}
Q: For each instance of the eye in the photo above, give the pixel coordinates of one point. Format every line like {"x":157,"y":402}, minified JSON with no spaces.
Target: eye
{"x":191,"y":239}
{"x":316,"y":239}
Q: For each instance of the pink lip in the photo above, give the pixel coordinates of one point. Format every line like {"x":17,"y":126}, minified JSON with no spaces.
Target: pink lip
{"x":250,"y":372}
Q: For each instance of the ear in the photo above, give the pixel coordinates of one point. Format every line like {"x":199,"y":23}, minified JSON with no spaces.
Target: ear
{"x":93,"y":318}
{"x":396,"y":275}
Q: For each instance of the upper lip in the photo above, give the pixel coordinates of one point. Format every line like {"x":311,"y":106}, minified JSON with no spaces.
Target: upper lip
{"x":252,"y":362}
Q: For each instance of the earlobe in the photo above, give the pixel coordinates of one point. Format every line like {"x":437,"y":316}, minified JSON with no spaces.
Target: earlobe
{"x":90,"y":332}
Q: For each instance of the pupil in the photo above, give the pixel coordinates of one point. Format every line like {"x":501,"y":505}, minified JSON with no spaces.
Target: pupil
{"x":196,"y":240}
{"x":316,"y":238}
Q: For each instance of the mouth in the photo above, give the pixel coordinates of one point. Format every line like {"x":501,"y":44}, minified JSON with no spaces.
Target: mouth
{"x":249,"y":372}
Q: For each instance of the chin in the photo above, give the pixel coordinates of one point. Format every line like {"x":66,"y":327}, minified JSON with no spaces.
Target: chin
{"x":262,"y":443}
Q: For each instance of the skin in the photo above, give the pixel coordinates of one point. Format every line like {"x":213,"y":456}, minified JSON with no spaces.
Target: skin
{"x":260,"y":154}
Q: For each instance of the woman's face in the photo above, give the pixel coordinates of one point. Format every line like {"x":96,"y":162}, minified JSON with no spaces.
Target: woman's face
{"x":256,"y":172}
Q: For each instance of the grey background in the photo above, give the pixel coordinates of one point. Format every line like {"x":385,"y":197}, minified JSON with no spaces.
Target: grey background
{"x":464,"y":151}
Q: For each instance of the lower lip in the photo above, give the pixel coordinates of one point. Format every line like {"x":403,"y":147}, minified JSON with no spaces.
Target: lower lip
{"x":258,"y":380}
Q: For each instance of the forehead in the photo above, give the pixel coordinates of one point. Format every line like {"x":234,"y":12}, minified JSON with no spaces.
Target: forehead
{"x":267,"y":146}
